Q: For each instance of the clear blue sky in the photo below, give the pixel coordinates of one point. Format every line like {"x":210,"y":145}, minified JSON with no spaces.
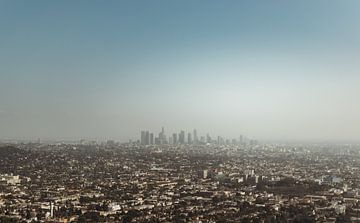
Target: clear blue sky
{"x":106,"y":69}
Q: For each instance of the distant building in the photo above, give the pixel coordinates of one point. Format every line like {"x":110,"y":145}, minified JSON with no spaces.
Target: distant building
{"x":151,"y":138}
{"x":195,"y":136}
{"x":234,"y":142}
{"x":143,"y":138}
{"x":189,"y":139}
{"x":147,"y":138}
{"x":110,"y":143}
{"x":208,"y":138}
{"x":182,"y":137}
{"x":174,"y":138}
{"x":256,"y":179}
{"x":220,"y":140}
{"x":157,"y":141}
{"x":10,"y":179}
{"x":249,"y":172}
{"x":205,"y":174}
{"x":162,"y":136}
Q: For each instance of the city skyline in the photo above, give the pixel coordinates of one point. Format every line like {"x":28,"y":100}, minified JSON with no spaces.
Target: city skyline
{"x":182,"y":137}
{"x":272,"y":70}
{"x":157,"y":111}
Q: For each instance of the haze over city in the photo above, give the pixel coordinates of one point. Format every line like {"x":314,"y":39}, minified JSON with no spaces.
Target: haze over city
{"x":271,"y":70}
{"x":181,"y":111}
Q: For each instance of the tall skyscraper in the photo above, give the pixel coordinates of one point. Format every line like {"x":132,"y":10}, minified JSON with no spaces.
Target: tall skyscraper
{"x":189,"y":140}
{"x":162,"y":136}
{"x":147,"y":138}
{"x":143,"y":137}
{"x":157,"y":141}
{"x":182,"y":137}
{"x":241,"y":139}
{"x":219,"y":140}
{"x":208,"y":138}
{"x":151,"y":138}
{"x":195,"y":137}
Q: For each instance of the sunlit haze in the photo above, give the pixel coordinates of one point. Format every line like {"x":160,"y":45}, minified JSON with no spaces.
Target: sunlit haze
{"x":271,"y":70}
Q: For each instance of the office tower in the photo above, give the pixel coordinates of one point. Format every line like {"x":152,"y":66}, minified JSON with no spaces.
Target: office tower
{"x":195,"y":136}
{"x":189,"y":139}
{"x":163,"y":133}
{"x":162,"y":136}
{"x":208,"y":138}
{"x":171,"y":140}
{"x":241,"y":139}
{"x":253,"y":142}
{"x":143,"y":136}
{"x":202,"y":139}
{"x":174,"y":138}
{"x":182,"y":137}
{"x":151,"y":138}
{"x":147,"y":138}
{"x":219,"y":141}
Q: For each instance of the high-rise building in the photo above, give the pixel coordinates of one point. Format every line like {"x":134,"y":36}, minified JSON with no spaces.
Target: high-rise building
{"x":241,"y":139}
{"x":195,"y":137}
{"x":143,"y":137}
{"x":182,"y":137}
{"x":151,"y":138}
{"x":174,"y":138}
{"x":110,"y":143}
{"x":162,"y":136}
{"x":147,"y":138}
{"x":220,"y":140}
{"x":208,"y":138}
{"x":157,"y":141}
{"x":189,"y":139}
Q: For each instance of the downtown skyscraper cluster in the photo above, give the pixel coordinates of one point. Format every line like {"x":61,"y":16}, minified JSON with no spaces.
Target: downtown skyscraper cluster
{"x":181,"y":138}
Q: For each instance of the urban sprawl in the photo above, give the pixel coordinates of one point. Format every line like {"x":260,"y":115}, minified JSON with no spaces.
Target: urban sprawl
{"x":179,"y":179}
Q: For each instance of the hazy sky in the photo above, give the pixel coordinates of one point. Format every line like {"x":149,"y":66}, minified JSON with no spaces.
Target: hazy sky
{"x":280,"y":70}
